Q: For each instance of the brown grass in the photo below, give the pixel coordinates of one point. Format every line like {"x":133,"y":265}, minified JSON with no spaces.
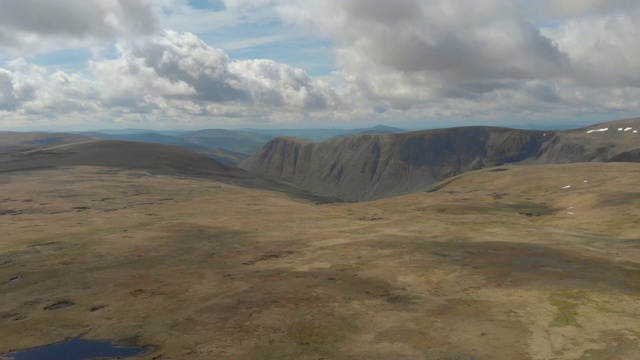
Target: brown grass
{"x":205,"y":270}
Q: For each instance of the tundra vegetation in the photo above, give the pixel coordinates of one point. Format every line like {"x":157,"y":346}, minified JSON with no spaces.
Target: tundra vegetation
{"x":500,"y":263}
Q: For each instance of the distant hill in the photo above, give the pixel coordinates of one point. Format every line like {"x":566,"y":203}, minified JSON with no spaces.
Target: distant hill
{"x":326,"y":134}
{"x":367,"y":167}
{"x":384,"y":128}
{"x":243,"y":142}
{"x":227,"y":146}
{"x":141,"y":136}
{"x":217,"y":153}
{"x":161,"y":159}
{"x":16,"y":140}
{"x":138,"y":131}
{"x":157,"y":159}
{"x":376,"y":130}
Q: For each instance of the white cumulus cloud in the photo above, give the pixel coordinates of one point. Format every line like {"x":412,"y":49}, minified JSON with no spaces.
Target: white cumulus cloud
{"x":483,"y":58}
{"x":502,"y":60}
{"x":172,"y":75}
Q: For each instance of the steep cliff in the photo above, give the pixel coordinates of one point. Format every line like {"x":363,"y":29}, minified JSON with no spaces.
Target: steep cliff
{"x":368,"y":167}
{"x":375,"y":166}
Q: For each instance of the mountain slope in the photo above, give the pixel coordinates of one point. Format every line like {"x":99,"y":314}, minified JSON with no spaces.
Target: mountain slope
{"x":15,"y":140}
{"x":600,"y":142}
{"x":376,"y":166}
{"x":155,"y":158}
{"x":163,"y":159}
{"x":244,"y":142}
{"x":217,"y":153}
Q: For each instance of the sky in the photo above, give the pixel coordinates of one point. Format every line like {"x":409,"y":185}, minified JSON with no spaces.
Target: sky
{"x":191,"y":64}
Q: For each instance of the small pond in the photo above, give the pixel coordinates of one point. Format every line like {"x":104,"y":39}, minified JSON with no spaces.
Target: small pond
{"x":79,"y":349}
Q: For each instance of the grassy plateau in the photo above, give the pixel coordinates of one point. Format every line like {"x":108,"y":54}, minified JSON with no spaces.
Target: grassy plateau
{"x":515,"y":262}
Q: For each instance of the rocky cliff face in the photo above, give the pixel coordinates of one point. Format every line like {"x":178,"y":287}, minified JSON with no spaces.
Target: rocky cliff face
{"x":375,"y":166}
{"x":370,"y":167}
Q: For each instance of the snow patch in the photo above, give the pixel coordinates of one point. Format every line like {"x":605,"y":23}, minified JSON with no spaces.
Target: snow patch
{"x":627,"y":129}
{"x":571,"y":213}
{"x":619,"y":129}
{"x":598,"y":130}
{"x":567,"y":187}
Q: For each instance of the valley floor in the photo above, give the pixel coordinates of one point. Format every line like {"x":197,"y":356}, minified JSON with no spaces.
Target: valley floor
{"x":528,"y":262}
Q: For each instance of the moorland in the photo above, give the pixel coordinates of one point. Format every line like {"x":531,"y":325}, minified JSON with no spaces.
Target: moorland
{"x":208,"y":261}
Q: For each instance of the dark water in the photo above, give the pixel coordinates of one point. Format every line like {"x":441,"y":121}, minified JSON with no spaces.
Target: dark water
{"x":79,"y":349}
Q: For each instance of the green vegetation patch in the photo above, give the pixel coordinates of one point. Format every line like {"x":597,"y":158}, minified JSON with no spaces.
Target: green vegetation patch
{"x":567,"y":303}
{"x":321,"y":336}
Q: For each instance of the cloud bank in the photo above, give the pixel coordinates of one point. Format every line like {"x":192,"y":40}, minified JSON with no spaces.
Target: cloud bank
{"x":450,"y":60}
{"x":172,"y":75}
{"x":485,"y":56}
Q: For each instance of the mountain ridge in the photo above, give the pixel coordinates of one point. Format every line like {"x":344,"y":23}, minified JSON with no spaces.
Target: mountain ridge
{"x":369,"y":167}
